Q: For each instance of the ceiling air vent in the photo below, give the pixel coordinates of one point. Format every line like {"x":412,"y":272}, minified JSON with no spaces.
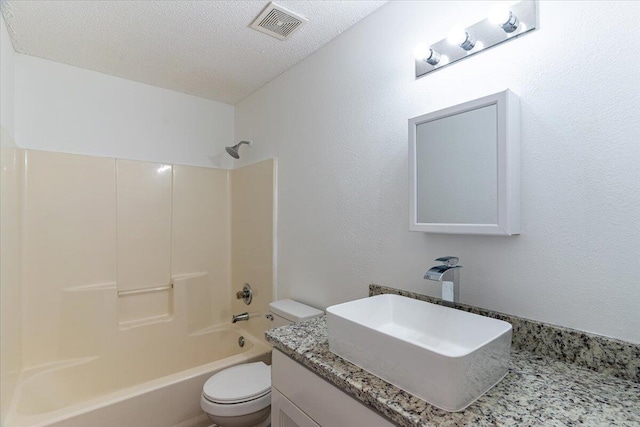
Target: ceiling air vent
{"x":278,"y":22}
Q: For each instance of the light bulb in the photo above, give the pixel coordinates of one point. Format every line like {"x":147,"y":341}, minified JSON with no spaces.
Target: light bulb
{"x":499,"y":15}
{"x":461,"y":37}
{"x":503,"y":17}
{"x":426,"y":54}
{"x":421,"y":51}
{"x":457,"y":36}
{"x":433,"y":58}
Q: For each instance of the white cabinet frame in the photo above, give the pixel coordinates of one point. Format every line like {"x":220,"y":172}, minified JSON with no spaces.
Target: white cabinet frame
{"x":508,"y":162}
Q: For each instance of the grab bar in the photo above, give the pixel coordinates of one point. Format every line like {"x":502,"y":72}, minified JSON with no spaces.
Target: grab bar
{"x":145,"y":290}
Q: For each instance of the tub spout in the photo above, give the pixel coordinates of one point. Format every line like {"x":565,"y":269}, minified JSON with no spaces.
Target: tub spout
{"x":239,"y":317}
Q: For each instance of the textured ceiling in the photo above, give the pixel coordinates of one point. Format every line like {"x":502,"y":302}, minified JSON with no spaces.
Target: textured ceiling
{"x":204,"y":48}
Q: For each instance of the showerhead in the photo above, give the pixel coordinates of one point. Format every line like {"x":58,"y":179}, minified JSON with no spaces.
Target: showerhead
{"x":233,"y":151}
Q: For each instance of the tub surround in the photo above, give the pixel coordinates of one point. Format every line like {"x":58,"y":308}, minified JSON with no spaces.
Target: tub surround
{"x":120,"y":267}
{"x":11,"y":165}
{"x":551,"y":377}
{"x":253,"y":202}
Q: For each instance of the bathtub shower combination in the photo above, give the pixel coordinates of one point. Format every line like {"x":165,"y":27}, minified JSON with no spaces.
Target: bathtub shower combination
{"x":151,"y":365}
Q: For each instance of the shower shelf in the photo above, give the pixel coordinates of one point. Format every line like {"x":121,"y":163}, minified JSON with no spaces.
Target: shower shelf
{"x":145,"y":290}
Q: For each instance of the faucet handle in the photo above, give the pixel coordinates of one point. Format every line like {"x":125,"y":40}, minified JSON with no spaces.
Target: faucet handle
{"x":449,"y":261}
{"x":246,"y":294}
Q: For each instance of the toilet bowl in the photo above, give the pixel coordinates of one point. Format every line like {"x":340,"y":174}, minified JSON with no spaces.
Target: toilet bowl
{"x":240,"y":396}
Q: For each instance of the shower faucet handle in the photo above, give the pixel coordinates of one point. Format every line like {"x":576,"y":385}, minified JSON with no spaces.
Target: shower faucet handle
{"x":246,"y":294}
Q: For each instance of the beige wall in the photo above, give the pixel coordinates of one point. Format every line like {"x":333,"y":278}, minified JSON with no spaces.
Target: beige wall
{"x":252,"y":228}
{"x":10,"y":201}
{"x":144,"y":224}
{"x":95,"y":226}
{"x":201,"y":196}
{"x":69,"y":240}
{"x":11,"y":168}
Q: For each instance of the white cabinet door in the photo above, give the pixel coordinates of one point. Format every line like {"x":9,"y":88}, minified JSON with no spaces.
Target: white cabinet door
{"x":286,"y":414}
{"x":318,"y":399}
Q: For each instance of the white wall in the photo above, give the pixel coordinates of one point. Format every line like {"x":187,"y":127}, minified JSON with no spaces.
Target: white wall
{"x":337,"y":121}
{"x":68,"y":109}
{"x":7,"y":59}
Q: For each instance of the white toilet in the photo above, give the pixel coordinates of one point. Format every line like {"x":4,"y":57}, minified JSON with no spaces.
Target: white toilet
{"x":240,"y":396}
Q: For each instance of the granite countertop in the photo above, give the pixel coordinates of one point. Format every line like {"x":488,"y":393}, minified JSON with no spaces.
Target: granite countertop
{"x":537,"y":391}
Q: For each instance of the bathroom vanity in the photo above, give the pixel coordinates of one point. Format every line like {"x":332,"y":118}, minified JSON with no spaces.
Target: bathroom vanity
{"x":557,"y":376}
{"x":300,"y":398}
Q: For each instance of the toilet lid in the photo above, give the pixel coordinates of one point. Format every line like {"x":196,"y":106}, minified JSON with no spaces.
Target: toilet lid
{"x":239,"y":383}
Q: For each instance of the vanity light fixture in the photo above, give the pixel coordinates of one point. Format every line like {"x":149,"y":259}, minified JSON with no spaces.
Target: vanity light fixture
{"x":503,"y":24}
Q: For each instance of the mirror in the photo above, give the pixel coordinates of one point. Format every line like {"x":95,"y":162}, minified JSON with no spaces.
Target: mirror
{"x":464,"y":168}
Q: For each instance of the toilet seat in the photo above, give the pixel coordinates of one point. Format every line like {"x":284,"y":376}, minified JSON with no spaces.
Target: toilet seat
{"x":235,"y":409}
{"x":238,"y":390}
{"x":240,"y":383}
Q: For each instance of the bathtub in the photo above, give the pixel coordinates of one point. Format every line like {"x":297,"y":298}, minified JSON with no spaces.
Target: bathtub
{"x":154,"y":387}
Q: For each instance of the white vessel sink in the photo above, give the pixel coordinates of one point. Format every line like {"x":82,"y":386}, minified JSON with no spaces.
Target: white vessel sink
{"x":442,"y":355}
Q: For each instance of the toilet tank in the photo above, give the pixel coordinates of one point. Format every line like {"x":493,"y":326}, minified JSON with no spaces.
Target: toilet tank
{"x":288,"y":311}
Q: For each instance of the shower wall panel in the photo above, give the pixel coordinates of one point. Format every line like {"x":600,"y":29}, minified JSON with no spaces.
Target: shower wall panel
{"x":252,"y":247}
{"x":201,"y":234}
{"x":95,"y":226}
{"x":69,"y":241}
{"x":11,"y":173}
{"x":144,"y":224}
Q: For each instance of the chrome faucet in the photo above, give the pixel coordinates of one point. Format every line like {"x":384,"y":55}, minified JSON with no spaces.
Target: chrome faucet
{"x":448,"y":274}
{"x":239,"y":317}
